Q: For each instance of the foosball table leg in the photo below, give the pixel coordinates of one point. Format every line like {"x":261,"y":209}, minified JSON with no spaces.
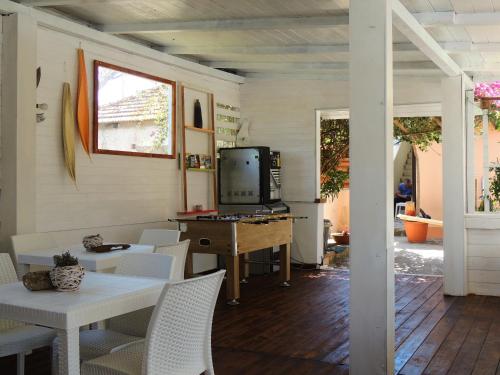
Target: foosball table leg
{"x":233,"y":279}
{"x":285,"y":265}
{"x":245,"y":268}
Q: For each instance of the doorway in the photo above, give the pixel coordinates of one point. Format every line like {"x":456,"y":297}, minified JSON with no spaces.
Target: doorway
{"x":417,"y":160}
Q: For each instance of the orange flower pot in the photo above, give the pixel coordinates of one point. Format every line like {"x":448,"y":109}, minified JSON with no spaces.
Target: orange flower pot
{"x":416,"y":232}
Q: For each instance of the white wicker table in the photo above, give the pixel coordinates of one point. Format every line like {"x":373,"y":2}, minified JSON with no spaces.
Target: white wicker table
{"x":101,"y":296}
{"x":88,"y":260}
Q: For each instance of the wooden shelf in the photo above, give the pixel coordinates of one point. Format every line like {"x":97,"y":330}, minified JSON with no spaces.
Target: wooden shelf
{"x":201,"y":130}
{"x":211,"y":184}
{"x":202,"y":212}
{"x":208,"y":170}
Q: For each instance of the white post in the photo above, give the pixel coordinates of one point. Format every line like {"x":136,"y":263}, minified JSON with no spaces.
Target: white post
{"x":17,"y":204}
{"x":371,"y":185}
{"x":454,"y":183}
{"x":486,"y":161}
{"x":469,"y":133}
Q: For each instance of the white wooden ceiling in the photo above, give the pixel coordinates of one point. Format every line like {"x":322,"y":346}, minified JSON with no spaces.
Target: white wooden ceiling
{"x":289,"y":37}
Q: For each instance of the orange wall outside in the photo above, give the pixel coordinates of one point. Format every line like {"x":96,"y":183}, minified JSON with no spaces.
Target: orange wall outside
{"x":430,"y":184}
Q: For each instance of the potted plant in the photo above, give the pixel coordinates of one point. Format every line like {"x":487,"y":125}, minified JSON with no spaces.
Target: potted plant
{"x":67,"y":274}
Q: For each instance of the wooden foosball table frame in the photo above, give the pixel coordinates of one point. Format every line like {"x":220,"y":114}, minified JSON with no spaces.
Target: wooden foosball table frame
{"x":237,"y":239}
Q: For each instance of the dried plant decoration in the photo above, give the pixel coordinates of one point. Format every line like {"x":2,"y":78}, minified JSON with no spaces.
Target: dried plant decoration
{"x":68,"y":131}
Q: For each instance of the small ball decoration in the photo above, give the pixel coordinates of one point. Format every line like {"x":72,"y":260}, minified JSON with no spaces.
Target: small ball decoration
{"x":92,"y":241}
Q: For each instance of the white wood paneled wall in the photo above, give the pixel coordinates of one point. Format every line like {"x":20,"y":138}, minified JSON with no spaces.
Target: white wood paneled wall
{"x":113,"y":192}
{"x":483,"y":254}
{"x":282,"y":115}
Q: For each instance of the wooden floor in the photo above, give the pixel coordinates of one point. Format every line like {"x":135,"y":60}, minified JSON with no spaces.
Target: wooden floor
{"x":304,"y":329}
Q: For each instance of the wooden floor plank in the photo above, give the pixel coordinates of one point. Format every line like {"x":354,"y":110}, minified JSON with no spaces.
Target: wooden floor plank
{"x":489,"y":357}
{"x":305,"y":329}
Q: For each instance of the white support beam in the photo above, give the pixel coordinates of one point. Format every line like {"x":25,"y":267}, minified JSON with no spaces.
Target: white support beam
{"x":489,"y":67}
{"x":371,"y":180}
{"x":51,"y":3}
{"x":419,"y":66}
{"x":454,"y":185}
{"x":18,"y":126}
{"x":468,"y":47}
{"x":265,"y":23}
{"x":443,"y":19}
{"x":406,"y":23}
{"x":296,"y":49}
{"x":338,"y":49}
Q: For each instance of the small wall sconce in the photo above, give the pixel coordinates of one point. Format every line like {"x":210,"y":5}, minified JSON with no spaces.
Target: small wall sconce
{"x":40,"y":117}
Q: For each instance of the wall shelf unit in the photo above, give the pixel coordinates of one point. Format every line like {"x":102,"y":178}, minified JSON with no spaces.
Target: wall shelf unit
{"x":199,"y":189}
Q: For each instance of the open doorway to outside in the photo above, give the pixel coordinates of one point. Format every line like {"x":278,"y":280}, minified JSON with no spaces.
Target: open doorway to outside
{"x":417,"y":155}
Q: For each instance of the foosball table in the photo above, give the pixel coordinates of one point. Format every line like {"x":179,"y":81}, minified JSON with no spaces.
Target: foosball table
{"x":235,"y":237}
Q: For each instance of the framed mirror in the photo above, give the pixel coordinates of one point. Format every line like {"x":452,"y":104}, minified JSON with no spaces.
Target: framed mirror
{"x":134,"y":113}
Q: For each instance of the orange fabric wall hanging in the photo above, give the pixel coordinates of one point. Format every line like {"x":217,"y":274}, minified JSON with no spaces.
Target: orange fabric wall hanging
{"x":82,"y":103}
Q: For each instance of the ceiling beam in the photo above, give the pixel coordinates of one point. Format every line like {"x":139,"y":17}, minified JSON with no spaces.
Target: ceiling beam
{"x":482,"y":68}
{"x":422,"y":66}
{"x":52,"y":3}
{"x":400,"y":48}
{"x":265,"y":23}
{"x":408,"y":25}
{"x":437,"y":19}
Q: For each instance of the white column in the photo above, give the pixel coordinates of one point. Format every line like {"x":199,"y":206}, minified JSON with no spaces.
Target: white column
{"x":18,"y":125}
{"x":486,"y":161}
{"x":454,"y":186}
{"x":371,"y":184}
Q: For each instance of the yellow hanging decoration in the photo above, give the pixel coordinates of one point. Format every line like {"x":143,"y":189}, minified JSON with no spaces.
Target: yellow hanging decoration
{"x":68,"y":131}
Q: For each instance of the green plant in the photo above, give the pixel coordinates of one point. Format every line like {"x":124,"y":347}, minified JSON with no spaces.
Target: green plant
{"x":64,"y":260}
{"x":418,"y":131}
{"x":334,"y":181}
{"x":334,"y":147}
{"x":495,"y":185}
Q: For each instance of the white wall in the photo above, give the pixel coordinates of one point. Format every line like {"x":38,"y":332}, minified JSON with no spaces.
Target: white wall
{"x":483,"y":254}
{"x":115,"y":195}
{"x":282,"y":116}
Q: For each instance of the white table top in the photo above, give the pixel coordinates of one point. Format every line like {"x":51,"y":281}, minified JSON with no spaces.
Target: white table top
{"x":88,"y":260}
{"x":101,"y":296}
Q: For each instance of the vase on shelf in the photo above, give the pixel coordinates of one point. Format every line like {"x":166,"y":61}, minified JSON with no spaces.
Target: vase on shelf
{"x":198,"y":119}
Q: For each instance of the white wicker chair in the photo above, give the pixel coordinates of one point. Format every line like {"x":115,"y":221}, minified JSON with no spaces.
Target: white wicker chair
{"x":158,"y":237}
{"x":179,"y":335}
{"x":15,"y":337}
{"x":23,"y":243}
{"x":126,"y":328}
{"x":179,"y":251}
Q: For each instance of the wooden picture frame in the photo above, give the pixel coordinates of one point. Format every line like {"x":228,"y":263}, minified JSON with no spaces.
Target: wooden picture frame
{"x":172,"y":116}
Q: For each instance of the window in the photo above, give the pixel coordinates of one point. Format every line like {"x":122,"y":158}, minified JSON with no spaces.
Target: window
{"x":134,"y":113}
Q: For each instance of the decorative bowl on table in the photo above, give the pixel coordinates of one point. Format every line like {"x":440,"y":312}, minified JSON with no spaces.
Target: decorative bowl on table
{"x":92,"y":241}
{"x":67,"y":274}
{"x":68,"y":278}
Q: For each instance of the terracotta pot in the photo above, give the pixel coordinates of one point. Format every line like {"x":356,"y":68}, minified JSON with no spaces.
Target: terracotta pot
{"x":341,"y":239}
{"x":416,"y":232}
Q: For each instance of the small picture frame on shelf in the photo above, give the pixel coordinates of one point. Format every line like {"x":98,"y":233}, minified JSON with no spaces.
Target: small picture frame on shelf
{"x":193,"y":161}
{"x":205,"y":161}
